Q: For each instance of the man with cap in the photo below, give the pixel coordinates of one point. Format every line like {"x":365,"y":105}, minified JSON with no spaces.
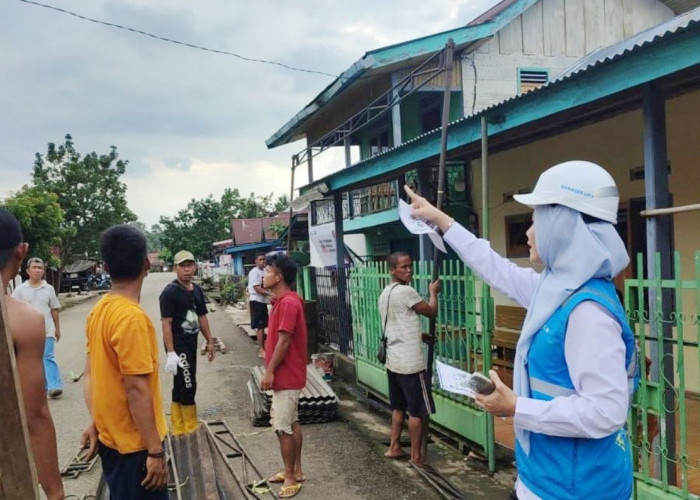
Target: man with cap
{"x":26,"y":325}
{"x":183,"y":314}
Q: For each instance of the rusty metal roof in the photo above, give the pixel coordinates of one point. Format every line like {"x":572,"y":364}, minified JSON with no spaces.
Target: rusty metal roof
{"x":246,"y":231}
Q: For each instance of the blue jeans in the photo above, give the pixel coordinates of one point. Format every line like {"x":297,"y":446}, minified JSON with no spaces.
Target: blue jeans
{"x":51,"y":372}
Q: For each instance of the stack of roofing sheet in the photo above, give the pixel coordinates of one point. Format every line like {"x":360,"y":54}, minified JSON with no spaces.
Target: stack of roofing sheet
{"x":317,"y":401}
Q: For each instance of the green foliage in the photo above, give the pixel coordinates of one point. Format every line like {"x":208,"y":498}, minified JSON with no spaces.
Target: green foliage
{"x":202,"y":222}
{"x":277,"y":228}
{"x":152,"y":236}
{"x":232,"y":291}
{"x":281,"y":204}
{"x":165,"y":255}
{"x":42,"y":222}
{"x":89,"y":191}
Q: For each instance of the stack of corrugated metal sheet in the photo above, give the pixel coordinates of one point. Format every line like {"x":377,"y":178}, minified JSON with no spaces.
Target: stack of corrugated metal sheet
{"x":317,"y":401}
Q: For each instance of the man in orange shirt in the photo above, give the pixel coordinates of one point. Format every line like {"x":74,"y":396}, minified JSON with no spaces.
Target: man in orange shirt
{"x":121,"y":384}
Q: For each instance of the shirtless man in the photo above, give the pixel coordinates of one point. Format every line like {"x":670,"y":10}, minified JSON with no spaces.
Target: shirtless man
{"x":28,"y":335}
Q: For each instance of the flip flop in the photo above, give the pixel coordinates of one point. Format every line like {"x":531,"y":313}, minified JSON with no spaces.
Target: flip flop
{"x":289,"y":491}
{"x":279,"y":478}
{"x":403,"y":456}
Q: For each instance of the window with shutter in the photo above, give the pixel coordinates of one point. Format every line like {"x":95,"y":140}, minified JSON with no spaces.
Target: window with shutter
{"x":531,"y":78}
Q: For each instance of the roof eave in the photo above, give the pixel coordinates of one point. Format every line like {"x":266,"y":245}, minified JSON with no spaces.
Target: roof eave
{"x":530,"y":106}
{"x":375,"y":60}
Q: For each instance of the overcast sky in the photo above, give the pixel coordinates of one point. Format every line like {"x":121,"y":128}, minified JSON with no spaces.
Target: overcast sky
{"x":189,"y":122}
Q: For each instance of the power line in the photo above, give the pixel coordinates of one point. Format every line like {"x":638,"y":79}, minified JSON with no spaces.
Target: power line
{"x":170,"y":40}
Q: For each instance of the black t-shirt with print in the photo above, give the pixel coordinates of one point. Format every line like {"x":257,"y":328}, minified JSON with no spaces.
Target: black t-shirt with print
{"x":184,"y":307}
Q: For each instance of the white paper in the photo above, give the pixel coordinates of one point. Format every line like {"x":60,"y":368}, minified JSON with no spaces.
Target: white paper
{"x":455,"y":380}
{"x":419,"y":226}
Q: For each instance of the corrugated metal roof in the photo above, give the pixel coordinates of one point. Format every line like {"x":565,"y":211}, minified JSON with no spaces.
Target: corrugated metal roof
{"x":604,"y":56}
{"x":79,"y":266}
{"x":631,"y":44}
{"x":247,"y":231}
{"x":251,"y":246}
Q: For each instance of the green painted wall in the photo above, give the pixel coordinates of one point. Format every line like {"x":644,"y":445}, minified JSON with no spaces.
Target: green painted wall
{"x":411,"y":126}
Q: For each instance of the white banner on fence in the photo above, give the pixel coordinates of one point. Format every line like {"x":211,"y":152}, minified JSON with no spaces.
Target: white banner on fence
{"x":323,"y":239}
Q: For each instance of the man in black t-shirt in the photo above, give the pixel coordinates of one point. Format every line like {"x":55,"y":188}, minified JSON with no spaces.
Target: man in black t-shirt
{"x":183,"y":314}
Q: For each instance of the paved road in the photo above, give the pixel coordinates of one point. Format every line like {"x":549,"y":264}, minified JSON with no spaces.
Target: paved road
{"x":342,"y":459}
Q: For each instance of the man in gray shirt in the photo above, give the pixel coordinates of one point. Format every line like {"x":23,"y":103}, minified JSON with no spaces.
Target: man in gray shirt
{"x":409,"y":386}
{"x":42,"y":296}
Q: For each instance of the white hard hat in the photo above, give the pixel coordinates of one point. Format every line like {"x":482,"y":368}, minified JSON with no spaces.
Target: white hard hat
{"x":581,"y":185}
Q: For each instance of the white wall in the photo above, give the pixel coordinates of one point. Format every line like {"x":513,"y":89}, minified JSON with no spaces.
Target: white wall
{"x":552,"y":35}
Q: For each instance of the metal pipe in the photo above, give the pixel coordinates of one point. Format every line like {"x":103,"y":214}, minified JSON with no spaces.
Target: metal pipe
{"x":449,"y":61}
{"x":295,"y":160}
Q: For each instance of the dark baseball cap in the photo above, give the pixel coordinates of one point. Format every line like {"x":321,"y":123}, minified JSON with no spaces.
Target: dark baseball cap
{"x":10,"y":230}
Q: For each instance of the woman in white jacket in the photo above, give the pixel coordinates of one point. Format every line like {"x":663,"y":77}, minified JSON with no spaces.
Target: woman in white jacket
{"x":575,"y":366}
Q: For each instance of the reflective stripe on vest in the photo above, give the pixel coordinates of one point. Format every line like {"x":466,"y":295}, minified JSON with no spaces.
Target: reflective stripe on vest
{"x":554,"y":390}
{"x":549,"y":389}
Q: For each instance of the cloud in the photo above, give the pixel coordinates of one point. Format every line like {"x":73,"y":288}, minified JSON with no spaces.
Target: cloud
{"x":190,"y":122}
{"x":165,"y":191}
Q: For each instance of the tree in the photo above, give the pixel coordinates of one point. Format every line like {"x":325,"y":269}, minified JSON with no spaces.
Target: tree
{"x":89,"y":190}
{"x":152,"y":236}
{"x":281,"y":204}
{"x":42,"y":221}
{"x":202,"y":222}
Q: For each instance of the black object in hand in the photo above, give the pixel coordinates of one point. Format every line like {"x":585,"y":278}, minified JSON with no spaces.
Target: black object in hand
{"x":482,"y":384}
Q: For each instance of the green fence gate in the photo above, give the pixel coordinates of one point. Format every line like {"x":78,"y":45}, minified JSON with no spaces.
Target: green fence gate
{"x":664,"y":422}
{"x":463,"y":335}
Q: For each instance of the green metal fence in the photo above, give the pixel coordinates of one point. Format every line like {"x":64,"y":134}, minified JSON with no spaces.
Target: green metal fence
{"x":664,"y":422}
{"x":463,"y":335}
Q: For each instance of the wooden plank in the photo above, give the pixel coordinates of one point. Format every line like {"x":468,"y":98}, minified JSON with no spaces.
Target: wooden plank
{"x":613,"y":21}
{"x":18,"y":478}
{"x":510,"y":317}
{"x":554,"y":37}
{"x":511,"y":37}
{"x":532,"y":30}
{"x":593,"y":14}
{"x":575,"y":29}
{"x":633,"y":11}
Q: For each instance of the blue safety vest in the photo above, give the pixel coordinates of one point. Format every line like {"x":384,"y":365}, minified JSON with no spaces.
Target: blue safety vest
{"x":576,"y":468}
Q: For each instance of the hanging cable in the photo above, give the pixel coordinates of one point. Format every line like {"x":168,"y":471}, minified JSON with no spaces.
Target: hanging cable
{"x":190,"y":45}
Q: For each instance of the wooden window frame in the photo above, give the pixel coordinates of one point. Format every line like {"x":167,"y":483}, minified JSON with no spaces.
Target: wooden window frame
{"x":513,"y":249}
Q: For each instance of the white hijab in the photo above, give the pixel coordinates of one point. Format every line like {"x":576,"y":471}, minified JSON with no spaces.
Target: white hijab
{"x":572,"y":252}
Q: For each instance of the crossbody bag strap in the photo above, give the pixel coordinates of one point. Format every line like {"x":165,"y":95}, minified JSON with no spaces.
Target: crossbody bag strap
{"x":386,"y":316}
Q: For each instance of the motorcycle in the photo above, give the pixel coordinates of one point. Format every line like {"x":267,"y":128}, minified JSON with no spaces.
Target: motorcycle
{"x":101,"y":282}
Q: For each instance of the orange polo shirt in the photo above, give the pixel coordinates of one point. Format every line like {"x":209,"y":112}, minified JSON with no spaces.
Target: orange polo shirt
{"x":121,"y":340}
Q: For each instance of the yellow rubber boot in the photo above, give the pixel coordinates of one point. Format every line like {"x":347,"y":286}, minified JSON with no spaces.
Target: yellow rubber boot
{"x":177,"y":419}
{"x":189,"y":417}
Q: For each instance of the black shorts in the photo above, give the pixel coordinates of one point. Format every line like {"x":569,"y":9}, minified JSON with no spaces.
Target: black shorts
{"x":124,"y":473}
{"x":412,"y":393}
{"x":258,"y":315}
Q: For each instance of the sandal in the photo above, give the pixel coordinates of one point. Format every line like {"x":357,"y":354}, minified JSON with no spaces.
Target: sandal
{"x":279,"y":478}
{"x":289,"y":491}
